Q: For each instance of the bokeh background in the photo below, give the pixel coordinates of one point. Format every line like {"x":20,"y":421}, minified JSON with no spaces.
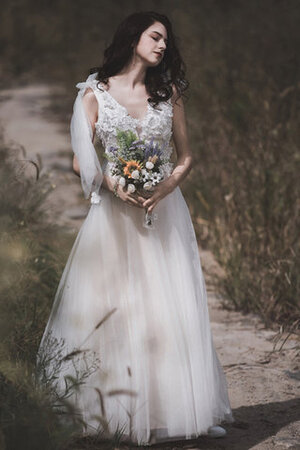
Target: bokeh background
{"x":242,"y":109}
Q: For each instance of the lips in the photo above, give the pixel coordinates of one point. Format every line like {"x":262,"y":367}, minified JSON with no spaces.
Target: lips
{"x":158,"y":53}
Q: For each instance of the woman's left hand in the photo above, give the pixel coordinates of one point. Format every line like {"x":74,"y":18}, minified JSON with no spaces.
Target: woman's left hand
{"x":160,"y":191}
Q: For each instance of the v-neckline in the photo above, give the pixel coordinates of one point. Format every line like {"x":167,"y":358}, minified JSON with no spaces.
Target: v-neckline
{"x":126,"y":110}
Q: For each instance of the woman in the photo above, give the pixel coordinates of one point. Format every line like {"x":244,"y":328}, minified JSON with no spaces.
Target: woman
{"x":133,"y":294}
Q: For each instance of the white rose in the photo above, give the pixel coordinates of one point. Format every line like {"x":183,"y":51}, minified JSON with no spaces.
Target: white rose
{"x":122,"y":181}
{"x":149,"y":165}
{"x":147,"y":186}
{"x":135,"y":174}
{"x":131,"y":188}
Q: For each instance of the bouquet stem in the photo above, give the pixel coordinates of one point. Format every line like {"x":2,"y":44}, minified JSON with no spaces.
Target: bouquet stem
{"x":148,"y":220}
{"x":149,"y":217}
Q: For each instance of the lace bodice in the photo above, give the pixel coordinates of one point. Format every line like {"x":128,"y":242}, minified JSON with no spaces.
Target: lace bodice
{"x":156,"y":124}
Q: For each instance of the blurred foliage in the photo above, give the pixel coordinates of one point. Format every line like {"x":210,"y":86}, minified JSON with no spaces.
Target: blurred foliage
{"x":30,"y":260}
{"x":32,"y":253}
{"x":242,"y":112}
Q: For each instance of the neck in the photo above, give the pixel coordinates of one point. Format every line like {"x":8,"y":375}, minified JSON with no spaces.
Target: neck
{"x":133,"y":75}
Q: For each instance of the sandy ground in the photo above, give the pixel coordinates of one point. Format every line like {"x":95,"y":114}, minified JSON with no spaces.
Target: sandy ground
{"x":262,"y":369}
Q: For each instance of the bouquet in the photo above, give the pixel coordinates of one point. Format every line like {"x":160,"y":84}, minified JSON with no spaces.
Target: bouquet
{"x":139,"y":166}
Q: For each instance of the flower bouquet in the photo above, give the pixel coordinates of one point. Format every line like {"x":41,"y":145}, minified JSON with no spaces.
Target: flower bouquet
{"x":139,"y":166}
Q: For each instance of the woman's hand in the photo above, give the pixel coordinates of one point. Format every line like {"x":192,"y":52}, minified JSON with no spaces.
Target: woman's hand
{"x":132,"y":199}
{"x":160,"y":191}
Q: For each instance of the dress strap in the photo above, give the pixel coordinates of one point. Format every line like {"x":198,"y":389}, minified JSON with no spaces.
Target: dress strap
{"x":90,"y":82}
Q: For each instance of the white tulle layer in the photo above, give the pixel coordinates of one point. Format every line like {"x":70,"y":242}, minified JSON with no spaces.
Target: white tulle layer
{"x":158,"y":342}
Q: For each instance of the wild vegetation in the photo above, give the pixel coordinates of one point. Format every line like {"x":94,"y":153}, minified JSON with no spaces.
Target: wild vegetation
{"x":244,"y":130}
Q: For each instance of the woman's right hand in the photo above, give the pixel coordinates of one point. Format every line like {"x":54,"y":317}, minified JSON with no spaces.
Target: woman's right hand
{"x":131,"y":199}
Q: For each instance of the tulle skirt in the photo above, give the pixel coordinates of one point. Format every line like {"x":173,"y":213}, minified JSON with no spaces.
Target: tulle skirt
{"x":135,"y":298}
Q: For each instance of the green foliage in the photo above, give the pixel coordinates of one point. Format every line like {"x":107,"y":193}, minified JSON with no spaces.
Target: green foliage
{"x":31,"y":260}
{"x":31,"y":254}
{"x":125,"y":139}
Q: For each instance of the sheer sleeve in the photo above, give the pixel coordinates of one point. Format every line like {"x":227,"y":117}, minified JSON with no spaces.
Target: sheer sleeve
{"x":82,"y":143}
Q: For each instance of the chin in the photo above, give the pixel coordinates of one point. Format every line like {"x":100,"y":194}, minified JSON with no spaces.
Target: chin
{"x":157,"y":62}
{"x":152,"y":63}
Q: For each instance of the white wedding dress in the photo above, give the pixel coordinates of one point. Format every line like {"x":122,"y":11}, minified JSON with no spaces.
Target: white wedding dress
{"x":158,"y":371}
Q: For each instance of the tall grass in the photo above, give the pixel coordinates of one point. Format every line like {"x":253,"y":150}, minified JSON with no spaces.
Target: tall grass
{"x":255,"y":220}
{"x":30,"y":260}
{"x":245,"y":188}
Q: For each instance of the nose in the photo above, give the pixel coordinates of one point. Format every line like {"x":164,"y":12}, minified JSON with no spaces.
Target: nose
{"x":162,"y":46}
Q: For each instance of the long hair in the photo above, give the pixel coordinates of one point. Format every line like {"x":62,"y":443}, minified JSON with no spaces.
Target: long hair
{"x":159,"y":79}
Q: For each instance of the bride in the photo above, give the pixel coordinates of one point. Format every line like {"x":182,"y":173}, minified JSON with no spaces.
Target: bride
{"x":132,"y":292}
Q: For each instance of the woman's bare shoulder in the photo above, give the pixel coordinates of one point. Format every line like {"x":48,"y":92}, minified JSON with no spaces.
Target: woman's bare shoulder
{"x":90,"y":104}
{"x":89,"y":100}
{"x":176,"y":98}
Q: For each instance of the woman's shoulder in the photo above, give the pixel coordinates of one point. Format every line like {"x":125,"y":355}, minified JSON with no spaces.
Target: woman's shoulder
{"x":176,"y":96}
{"x":175,"y":93}
{"x":89,"y":97}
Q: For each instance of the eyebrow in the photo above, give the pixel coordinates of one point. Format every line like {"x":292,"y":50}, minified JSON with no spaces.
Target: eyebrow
{"x":153,"y":31}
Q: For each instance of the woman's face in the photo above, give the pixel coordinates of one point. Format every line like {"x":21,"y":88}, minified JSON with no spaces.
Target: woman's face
{"x":152,"y":44}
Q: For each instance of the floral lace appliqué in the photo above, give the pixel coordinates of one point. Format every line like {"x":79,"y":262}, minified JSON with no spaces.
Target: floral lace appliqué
{"x":156,"y":124}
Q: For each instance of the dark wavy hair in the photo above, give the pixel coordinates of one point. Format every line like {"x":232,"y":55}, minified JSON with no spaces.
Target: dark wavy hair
{"x":159,"y":79}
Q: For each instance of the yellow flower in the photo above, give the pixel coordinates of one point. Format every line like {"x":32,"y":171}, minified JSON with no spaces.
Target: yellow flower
{"x":130,"y":166}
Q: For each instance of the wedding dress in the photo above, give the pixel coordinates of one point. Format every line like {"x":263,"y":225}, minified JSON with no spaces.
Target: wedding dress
{"x":158,"y":371}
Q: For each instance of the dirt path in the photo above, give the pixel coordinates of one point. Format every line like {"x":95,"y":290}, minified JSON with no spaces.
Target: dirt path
{"x":263,"y":376}
{"x":27,"y":119}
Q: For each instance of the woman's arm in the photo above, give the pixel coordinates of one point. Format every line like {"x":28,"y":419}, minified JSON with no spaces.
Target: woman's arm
{"x":90,"y":104}
{"x":184,"y":156}
{"x":185,"y":160}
